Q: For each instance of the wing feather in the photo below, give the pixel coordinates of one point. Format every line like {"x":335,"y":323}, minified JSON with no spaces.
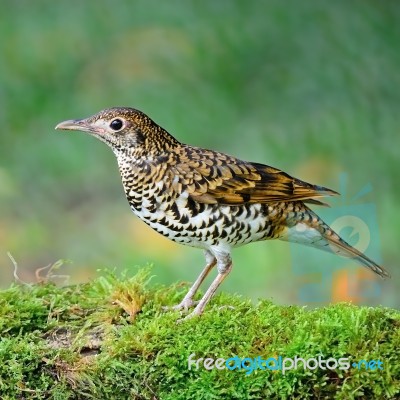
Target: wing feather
{"x":211,"y":177}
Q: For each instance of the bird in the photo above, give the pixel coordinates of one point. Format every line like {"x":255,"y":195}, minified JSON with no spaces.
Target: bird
{"x":208,"y":199}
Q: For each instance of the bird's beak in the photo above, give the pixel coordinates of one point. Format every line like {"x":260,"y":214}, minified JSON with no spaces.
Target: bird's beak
{"x":81,"y":125}
{"x":73,"y":125}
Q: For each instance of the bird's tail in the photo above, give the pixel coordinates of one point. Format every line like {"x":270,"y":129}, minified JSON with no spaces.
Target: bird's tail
{"x":308,"y":229}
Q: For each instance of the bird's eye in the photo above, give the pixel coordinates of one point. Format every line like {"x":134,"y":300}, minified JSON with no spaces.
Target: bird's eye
{"x":116,"y":124}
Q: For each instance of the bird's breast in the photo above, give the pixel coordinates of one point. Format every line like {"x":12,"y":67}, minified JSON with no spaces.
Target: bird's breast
{"x":186,"y":221}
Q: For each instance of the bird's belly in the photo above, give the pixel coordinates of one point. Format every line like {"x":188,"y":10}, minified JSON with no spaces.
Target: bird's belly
{"x":214,"y":224}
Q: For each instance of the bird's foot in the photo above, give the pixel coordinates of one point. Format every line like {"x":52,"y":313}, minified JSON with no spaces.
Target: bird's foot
{"x":184,"y":305}
{"x":193,"y":314}
{"x":226,"y":307}
{"x":198,"y":311}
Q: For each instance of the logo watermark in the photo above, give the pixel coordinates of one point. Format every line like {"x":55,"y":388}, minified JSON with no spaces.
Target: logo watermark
{"x":323,"y":277}
{"x":279,"y":363}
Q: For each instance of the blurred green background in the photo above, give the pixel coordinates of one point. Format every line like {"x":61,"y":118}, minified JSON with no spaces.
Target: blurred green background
{"x":310,"y":87}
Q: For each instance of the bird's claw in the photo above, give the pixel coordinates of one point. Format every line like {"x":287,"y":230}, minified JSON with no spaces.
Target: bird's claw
{"x":226,"y":307}
{"x":184,"y":305}
{"x":193,"y":314}
{"x":197,"y":313}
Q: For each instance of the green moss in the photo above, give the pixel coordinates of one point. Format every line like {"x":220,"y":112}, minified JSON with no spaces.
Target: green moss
{"x":110,"y":339}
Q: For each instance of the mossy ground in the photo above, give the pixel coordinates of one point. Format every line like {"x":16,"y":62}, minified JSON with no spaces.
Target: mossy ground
{"x":109,"y":339}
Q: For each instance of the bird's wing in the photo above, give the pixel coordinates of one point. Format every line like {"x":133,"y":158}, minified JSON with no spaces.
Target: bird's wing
{"x":211,"y":177}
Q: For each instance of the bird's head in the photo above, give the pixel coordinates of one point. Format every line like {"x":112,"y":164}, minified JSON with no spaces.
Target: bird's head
{"x":124,"y":129}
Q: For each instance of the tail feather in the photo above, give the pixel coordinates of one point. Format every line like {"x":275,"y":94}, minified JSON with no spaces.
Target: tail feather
{"x":310,"y":230}
{"x":316,"y":202}
{"x":337,"y":245}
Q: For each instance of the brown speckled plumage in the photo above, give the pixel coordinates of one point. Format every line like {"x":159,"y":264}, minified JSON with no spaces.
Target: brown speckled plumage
{"x":208,"y":199}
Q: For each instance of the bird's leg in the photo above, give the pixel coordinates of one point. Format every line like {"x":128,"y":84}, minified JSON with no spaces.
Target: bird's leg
{"x":224,"y":266}
{"x":188,"y":302}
